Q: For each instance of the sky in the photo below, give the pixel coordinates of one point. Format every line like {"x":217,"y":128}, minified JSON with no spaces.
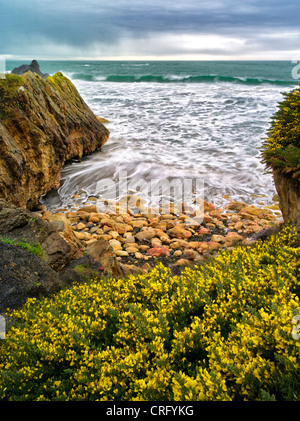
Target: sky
{"x":150,"y":29}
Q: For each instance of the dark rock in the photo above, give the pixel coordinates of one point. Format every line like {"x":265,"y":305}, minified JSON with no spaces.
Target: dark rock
{"x":175,"y":270}
{"x":33,"y":67}
{"x":81,"y":269}
{"x":24,"y":275}
{"x":265,"y":233}
{"x":23,"y":225}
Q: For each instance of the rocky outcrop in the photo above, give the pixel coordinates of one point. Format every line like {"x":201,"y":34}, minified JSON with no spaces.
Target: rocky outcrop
{"x":43,"y":124}
{"x":24,"y":275}
{"x":288,"y":190}
{"x":22,"y":225}
{"x":32,"y":67}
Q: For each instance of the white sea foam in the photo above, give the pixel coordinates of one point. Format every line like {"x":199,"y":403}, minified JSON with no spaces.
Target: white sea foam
{"x":210,"y":131}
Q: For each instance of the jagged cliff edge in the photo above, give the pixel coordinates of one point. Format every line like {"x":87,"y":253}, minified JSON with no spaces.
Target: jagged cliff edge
{"x":43,"y":124}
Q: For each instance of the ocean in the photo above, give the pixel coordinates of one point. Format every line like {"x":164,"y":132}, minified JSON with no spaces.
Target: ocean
{"x":174,"y":121}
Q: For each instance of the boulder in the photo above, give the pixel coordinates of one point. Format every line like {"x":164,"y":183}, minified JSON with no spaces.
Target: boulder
{"x":43,"y":124}
{"x":22,"y":225}
{"x":32,"y":67}
{"x":158,"y":251}
{"x":102,"y":252}
{"x":24,"y":275}
{"x":179,"y":232}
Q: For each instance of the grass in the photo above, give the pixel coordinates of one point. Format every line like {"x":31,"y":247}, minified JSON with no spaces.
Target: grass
{"x":32,"y":248}
{"x":8,"y":94}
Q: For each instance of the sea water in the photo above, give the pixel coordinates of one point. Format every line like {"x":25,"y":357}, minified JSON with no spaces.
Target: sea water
{"x":177,"y":120}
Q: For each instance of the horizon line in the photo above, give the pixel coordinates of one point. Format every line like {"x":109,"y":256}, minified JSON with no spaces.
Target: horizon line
{"x":142,"y":59}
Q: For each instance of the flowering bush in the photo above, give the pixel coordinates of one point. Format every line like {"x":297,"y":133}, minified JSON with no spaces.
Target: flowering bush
{"x":281,"y":149}
{"x":221,"y":331}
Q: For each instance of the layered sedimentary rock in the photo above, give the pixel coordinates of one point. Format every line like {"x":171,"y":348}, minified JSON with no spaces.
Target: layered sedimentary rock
{"x":43,"y":124}
{"x":288,"y":189}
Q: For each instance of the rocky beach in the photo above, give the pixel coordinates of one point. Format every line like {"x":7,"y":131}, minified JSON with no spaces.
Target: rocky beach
{"x":149,"y":205}
{"x":139,"y":240}
{"x":45,"y":124}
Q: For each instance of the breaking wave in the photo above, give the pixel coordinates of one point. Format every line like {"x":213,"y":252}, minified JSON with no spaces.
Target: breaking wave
{"x":179,"y":79}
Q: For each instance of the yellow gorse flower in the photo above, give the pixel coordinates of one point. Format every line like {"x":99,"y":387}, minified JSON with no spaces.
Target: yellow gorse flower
{"x":221,"y":331}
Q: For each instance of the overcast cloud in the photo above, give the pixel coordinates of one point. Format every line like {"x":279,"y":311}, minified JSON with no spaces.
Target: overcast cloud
{"x":181,"y":29}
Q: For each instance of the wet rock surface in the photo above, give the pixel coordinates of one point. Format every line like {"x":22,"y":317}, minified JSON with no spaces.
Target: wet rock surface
{"x":43,"y":124}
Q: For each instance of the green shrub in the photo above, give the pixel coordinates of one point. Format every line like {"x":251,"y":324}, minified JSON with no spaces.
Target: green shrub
{"x":281,"y":149}
{"x":221,"y":331}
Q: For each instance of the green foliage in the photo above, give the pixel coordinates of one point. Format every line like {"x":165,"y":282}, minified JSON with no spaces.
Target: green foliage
{"x":221,"y":331}
{"x":8,"y":94}
{"x":281,"y":149}
{"x":32,"y":248}
{"x":61,"y":82}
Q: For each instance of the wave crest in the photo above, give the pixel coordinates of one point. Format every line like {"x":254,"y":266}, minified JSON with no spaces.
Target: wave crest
{"x":179,"y":79}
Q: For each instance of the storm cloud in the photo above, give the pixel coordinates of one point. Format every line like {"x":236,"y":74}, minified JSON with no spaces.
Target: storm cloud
{"x":158,"y":29}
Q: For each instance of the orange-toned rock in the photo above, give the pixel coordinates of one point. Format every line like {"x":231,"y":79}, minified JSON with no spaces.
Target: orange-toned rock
{"x":153,"y":221}
{"x":94,"y":217}
{"x":143,"y":247}
{"x":203,"y":231}
{"x":177,"y":253}
{"x":238,"y":226}
{"x":46,"y":214}
{"x":132,"y":249}
{"x":126,"y":218}
{"x":215,"y":214}
{"x":203,"y":246}
{"x":236,"y":205}
{"x":190,"y":254}
{"x":211,"y":225}
{"x":248,"y":216}
{"x":139,"y":223}
{"x":175,"y":245}
{"x":235,"y":218}
{"x":207,"y":218}
{"x":83,"y":215}
{"x":178,"y":232}
{"x":108,"y":222}
{"x":80,"y":226}
{"x":120,"y":228}
{"x":103,"y":252}
{"x":146,"y":234}
{"x":232,"y":237}
{"x":89,"y":209}
{"x":253,"y":210}
{"x":183,"y":262}
{"x":194,"y":244}
{"x":217,"y":238}
{"x":205,"y":206}
{"x":80,"y":235}
{"x":158,"y":251}
{"x":213,"y":245}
